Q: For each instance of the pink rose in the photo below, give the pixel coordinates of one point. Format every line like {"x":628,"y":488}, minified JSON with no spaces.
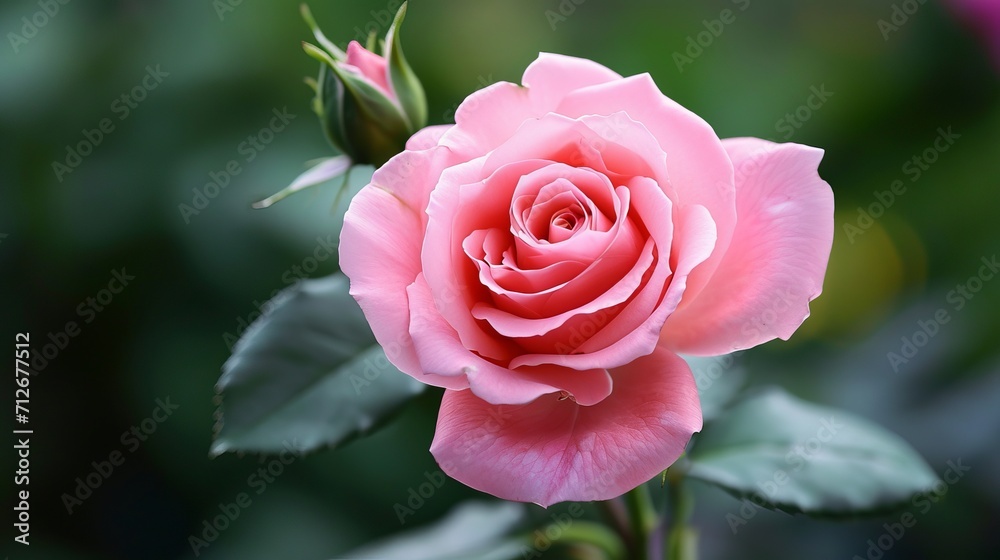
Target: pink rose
{"x":545,"y":258}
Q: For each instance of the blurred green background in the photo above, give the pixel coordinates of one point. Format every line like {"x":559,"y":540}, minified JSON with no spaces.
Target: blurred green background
{"x":223,"y":67}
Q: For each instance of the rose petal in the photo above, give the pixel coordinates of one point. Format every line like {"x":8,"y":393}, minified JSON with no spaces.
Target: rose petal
{"x":456,"y":211}
{"x":614,"y":143}
{"x":776,"y":262}
{"x":540,"y":191}
{"x":621,"y":247}
{"x":371,"y":66}
{"x":490,"y":250}
{"x":453,"y":277}
{"x":427,"y":137}
{"x":635,"y":330}
{"x":443,"y":356}
{"x":552,"y":76}
{"x":553,"y":450}
{"x":700,"y":170}
{"x":491,"y":115}
{"x":515,"y":326}
{"x":380,"y":247}
{"x":487,"y":118}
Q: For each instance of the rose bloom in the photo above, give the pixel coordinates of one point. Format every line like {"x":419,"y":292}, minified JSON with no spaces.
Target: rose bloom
{"x":546,"y":258}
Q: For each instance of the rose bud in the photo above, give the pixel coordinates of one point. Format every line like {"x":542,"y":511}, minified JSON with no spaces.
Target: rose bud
{"x":368,"y":104}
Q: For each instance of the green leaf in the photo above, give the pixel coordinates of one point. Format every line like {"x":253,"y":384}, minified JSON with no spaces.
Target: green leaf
{"x":307,"y":374}
{"x":402,"y":79}
{"x":472,"y":531}
{"x":795,"y":456}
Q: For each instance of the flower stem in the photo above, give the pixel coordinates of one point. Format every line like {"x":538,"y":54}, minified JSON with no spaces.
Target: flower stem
{"x":643,"y":520}
{"x":682,"y":543}
{"x":616,"y":515}
{"x":595,"y":535}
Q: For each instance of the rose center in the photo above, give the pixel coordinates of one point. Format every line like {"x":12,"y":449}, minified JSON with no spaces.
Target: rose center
{"x":567,"y":219}
{"x":555,"y":214}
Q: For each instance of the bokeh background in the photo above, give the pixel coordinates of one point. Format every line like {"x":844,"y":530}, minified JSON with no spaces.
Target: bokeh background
{"x":226,"y":65}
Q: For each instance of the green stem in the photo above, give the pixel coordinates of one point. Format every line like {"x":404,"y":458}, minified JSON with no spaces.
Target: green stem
{"x":617,"y":517}
{"x":643,"y":520}
{"x":682,"y":542}
{"x":586,"y":532}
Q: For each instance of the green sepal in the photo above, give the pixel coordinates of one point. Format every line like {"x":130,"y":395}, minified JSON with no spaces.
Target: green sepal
{"x":402,"y":79}
{"x":326,"y":43}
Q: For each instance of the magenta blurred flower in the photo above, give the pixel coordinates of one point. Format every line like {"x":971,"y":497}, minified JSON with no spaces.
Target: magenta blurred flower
{"x":984,"y":17}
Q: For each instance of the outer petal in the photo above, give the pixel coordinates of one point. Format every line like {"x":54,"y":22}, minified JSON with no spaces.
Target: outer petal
{"x":553,"y":450}
{"x":427,"y":137}
{"x":491,"y":115}
{"x":776,"y":262}
{"x":487,"y":118}
{"x":380,"y":247}
{"x":552,"y":76}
